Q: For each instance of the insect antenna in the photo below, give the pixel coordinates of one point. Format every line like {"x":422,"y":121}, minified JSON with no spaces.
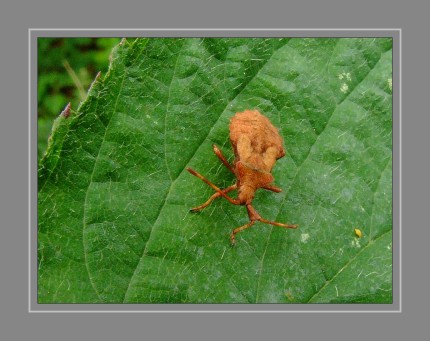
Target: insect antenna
{"x":221,"y":156}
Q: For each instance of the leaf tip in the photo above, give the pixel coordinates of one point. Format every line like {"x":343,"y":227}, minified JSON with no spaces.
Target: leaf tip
{"x":95,"y":81}
{"x":67,"y":110}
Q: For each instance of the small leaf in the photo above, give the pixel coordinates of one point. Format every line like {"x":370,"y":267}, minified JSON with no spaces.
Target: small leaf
{"x":114,"y":196}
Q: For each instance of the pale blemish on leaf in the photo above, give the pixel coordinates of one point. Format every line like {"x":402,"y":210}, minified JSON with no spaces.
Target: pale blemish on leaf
{"x":345,"y":75}
{"x":356,"y":243}
{"x":344,"y":88}
{"x":289,"y":295}
{"x":304,"y":237}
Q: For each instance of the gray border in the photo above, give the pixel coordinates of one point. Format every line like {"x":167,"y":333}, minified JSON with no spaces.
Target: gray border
{"x":34,"y":307}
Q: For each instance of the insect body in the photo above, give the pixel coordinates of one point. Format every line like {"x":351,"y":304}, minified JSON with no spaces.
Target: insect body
{"x":257,"y":145}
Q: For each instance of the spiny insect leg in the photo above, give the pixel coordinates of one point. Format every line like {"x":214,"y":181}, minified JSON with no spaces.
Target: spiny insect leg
{"x":217,"y":189}
{"x":220,"y":155}
{"x":241,"y":228}
{"x":214,"y":196}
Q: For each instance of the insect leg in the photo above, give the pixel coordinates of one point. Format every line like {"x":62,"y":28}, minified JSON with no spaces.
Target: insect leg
{"x":218,"y":153}
{"x":217,"y":189}
{"x":214,"y":196}
{"x":277,"y":224}
{"x":241,"y":228}
{"x":273,"y":188}
{"x":253,"y":215}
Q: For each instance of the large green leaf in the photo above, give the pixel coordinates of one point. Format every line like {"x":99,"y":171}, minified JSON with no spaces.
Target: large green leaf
{"x":114,"y":196}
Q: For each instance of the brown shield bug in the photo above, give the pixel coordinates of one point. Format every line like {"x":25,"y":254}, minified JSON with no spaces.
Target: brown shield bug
{"x":257,"y":145}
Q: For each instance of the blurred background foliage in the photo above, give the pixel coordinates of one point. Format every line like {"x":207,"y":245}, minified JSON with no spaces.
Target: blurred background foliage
{"x":66,"y":68}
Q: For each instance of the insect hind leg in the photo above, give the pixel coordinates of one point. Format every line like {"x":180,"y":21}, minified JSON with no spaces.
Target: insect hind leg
{"x":238,"y":229}
{"x":253,"y":217}
{"x":275,"y":223}
{"x":212,"y":198}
